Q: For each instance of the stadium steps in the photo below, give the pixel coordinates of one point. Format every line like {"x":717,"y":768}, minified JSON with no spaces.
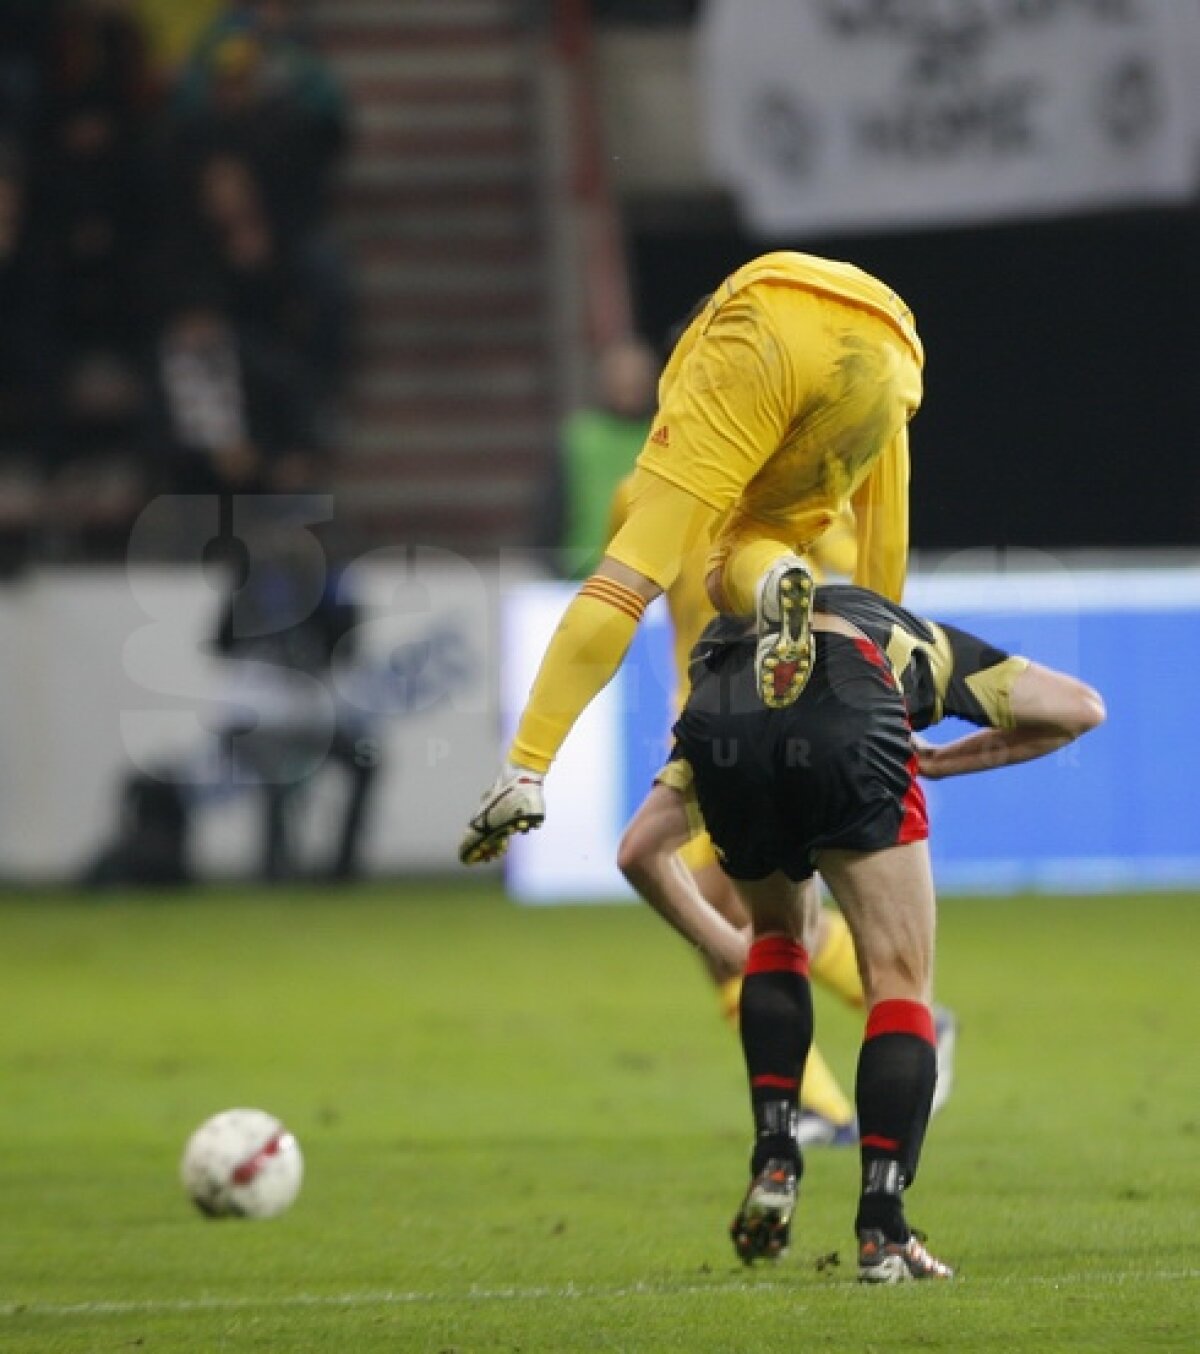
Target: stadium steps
{"x":450,"y":414}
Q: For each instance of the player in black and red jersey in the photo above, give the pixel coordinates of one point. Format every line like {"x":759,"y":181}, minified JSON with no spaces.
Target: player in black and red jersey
{"x":830,"y":784}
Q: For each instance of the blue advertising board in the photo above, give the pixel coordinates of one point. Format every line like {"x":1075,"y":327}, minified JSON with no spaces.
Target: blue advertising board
{"x":1118,"y":809}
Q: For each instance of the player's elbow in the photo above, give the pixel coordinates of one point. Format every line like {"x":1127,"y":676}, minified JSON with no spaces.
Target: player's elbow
{"x":1056,"y":703}
{"x":1097,"y":711}
{"x":1083,"y":710}
{"x":636,"y":855}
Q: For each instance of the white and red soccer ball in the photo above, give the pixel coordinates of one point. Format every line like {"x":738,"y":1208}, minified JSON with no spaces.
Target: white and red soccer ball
{"x":242,"y":1163}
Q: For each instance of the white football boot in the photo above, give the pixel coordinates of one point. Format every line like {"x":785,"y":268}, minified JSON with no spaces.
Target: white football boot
{"x":515,"y":803}
{"x":784,"y":658}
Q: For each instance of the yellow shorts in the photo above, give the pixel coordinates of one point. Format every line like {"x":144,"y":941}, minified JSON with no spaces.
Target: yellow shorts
{"x":780,"y":397}
{"x":775,"y":409}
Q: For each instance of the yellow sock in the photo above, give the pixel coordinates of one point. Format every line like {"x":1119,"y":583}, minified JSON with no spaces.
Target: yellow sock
{"x":834,"y":965}
{"x":743,"y":569}
{"x":586,"y":649}
{"x":729,"y":993}
{"x":820,"y":1092}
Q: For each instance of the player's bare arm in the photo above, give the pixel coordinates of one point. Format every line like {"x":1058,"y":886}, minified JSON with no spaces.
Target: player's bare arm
{"x":648,"y":860}
{"x":1049,"y":711}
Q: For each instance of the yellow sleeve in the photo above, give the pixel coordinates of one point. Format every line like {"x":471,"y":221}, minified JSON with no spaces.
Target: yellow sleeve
{"x":618,"y":509}
{"x":881,"y":516}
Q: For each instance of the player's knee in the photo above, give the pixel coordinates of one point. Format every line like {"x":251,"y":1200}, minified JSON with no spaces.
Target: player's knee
{"x":892,"y":972}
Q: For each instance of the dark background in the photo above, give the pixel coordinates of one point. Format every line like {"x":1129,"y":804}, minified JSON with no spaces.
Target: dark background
{"x":1062,"y":403}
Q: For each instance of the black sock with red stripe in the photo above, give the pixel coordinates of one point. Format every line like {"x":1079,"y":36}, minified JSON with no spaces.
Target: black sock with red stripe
{"x":776,"y":1023}
{"x":897,"y":1072}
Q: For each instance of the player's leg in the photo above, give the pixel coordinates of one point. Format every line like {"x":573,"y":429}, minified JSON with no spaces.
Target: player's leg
{"x":760,"y":362}
{"x":887,"y":898}
{"x":589,"y":644}
{"x":755,"y":570}
{"x":861,"y":386}
{"x":835,"y":966}
{"x":725,"y":408}
{"x":776,"y":1025}
{"x":834,"y":961}
{"x":826,"y":1114}
{"x":673,"y":866}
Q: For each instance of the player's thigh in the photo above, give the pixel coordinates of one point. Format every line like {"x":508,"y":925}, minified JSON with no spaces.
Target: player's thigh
{"x":888,"y":900}
{"x":795,"y":530}
{"x":860,"y":386}
{"x":781,"y":906}
{"x":666,"y":525}
{"x":728,"y":407}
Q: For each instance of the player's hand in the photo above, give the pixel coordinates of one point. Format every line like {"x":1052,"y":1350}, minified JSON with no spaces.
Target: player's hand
{"x":927,"y":756}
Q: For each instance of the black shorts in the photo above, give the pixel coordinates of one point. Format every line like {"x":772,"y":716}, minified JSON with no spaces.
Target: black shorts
{"x":835,"y":770}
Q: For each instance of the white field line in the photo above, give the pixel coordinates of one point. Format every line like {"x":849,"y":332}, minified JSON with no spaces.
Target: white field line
{"x":564,"y":1293}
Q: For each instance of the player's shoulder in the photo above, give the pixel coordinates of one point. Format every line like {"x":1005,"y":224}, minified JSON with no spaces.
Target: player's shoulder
{"x":871,"y":611}
{"x":719,"y":637}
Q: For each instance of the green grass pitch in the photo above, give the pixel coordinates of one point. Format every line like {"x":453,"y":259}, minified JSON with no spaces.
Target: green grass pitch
{"x":526,"y":1131}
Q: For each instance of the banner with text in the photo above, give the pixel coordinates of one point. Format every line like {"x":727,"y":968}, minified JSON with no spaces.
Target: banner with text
{"x":870,"y":114}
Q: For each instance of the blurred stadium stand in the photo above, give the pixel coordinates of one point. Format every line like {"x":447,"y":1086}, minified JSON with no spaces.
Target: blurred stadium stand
{"x":451,"y":396}
{"x":400,"y":314}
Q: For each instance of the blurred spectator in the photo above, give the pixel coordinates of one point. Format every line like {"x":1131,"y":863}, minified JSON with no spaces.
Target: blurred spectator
{"x":231,"y":415}
{"x":286,"y":629}
{"x":257,"y":88}
{"x":150,"y":846}
{"x":106,"y":209}
{"x":90,"y":208}
{"x":25,"y":34}
{"x":173,"y":28}
{"x":280,"y":289}
{"x":25,"y":369}
{"x":282,"y":632}
{"x":99,"y":55}
{"x":91,"y":190}
{"x":599,"y":445}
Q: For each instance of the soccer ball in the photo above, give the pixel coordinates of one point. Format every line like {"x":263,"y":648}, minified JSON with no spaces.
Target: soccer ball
{"x":242,"y":1163}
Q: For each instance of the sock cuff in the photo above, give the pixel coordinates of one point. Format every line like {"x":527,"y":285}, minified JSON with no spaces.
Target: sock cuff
{"x":777,"y":954}
{"x":899,"y":1016}
{"x":614,"y":594}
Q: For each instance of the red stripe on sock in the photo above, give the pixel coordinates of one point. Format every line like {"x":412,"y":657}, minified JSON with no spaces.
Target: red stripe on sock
{"x":881,"y":1143}
{"x":777,"y":954}
{"x":778,"y":1083}
{"x":899,"y":1016}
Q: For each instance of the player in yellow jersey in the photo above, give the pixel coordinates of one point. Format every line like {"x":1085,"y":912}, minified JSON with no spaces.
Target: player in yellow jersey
{"x":787,"y":396}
